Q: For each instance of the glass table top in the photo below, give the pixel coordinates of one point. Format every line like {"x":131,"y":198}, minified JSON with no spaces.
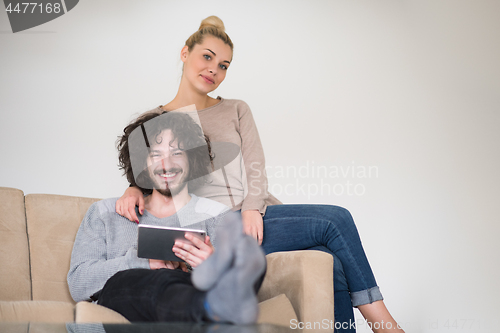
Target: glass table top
{"x":6,"y":327}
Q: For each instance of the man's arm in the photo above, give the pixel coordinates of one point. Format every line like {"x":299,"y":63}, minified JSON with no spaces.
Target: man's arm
{"x":91,"y":266}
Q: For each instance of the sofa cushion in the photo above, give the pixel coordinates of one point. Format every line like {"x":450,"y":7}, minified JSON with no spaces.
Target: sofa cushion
{"x":53,"y":221}
{"x":86,"y":312}
{"x":277,"y":310}
{"x":37,"y":311}
{"x":15,"y":282}
{"x":13,"y":327}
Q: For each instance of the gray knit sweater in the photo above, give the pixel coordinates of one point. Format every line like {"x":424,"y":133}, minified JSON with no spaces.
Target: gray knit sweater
{"x":106,"y":242}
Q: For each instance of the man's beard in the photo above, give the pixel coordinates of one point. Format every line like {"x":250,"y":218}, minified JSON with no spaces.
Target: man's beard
{"x":168,"y":191}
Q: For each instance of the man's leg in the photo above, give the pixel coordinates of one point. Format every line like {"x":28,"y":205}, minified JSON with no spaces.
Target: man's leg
{"x":229,"y":232}
{"x":154,"y":295}
{"x":233,"y":299}
{"x":232,"y":275}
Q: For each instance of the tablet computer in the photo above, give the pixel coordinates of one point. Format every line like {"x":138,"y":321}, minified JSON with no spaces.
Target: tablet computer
{"x":156,"y":242}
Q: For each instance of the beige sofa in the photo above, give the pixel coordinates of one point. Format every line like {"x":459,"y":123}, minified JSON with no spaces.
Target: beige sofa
{"x":37,"y":232}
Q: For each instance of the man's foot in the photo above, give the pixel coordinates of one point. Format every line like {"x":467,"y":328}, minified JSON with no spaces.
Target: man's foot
{"x":233,"y":298}
{"x":229,"y":233}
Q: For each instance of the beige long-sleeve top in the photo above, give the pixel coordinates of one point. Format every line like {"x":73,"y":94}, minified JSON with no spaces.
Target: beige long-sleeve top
{"x":232,"y":121}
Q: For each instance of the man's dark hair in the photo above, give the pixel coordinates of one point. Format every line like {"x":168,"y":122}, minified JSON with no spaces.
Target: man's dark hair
{"x":185,"y":130}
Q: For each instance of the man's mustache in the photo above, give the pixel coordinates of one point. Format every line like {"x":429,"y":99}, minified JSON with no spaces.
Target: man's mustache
{"x":162,"y":171}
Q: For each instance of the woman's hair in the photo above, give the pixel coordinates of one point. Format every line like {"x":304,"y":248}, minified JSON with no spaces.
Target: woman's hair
{"x":212,"y":26}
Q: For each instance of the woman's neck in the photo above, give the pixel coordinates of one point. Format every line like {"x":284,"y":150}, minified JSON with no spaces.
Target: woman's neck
{"x":186,"y":97}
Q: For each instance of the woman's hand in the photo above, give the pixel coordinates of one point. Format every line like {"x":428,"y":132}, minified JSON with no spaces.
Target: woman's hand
{"x":125,"y":206}
{"x":253,"y":224}
{"x":194,"y":254}
{"x":159,"y":264}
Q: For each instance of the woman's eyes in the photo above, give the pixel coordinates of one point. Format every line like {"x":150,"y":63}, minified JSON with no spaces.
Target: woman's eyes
{"x":208,"y":57}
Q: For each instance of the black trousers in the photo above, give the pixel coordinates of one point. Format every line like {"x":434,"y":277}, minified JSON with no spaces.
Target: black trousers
{"x":144,"y":295}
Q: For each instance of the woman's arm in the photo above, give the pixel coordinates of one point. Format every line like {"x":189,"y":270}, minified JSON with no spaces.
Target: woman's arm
{"x":254,"y":161}
{"x":254,"y":204}
{"x":253,"y":224}
{"x":125,"y":206}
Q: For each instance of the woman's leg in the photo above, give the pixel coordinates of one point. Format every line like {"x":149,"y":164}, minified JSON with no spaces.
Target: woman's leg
{"x":299,"y":227}
{"x":344,"y":314}
{"x":379,"y":317}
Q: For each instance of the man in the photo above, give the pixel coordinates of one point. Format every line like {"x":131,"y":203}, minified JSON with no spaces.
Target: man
{"x":164,"y":155}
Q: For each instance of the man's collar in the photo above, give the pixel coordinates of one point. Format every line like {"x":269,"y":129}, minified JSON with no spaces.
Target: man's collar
{"x":161,"y":206}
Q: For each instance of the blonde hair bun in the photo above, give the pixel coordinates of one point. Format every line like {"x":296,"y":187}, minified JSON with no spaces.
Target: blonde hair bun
{"x":212,"y":21}
{"x":211,"y":26}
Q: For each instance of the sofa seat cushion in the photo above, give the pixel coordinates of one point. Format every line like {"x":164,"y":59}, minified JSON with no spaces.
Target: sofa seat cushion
{"x":87,"y":312}
{"x":277,"y":310}
{"x":37,"y":311}
{"x":25,"y":327}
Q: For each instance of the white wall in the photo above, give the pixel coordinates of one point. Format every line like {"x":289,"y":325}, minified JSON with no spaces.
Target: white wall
{"x":409,"y":88}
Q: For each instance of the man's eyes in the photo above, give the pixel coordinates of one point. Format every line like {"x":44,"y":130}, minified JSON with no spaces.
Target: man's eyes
{"x":158,"y":155}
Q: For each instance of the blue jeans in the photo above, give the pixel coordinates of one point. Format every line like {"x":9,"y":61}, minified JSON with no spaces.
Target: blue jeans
{"x":330,"y":229}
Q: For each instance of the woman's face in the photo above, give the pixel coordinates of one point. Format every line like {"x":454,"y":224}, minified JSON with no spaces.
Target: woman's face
{"x":206,"y":65}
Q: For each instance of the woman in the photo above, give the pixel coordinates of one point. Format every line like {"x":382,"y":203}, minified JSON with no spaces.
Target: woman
{"x":206,"y":56}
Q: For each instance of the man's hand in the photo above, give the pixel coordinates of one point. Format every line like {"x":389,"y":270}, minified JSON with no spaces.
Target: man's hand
{"x":193,"y":254}
{"x":159,"y":264}
{"x":253,"y":224}
{"x":125,"y":206}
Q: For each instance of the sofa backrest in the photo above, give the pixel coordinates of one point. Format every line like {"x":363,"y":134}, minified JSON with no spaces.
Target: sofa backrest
{"x":52,"y":221}
{"x":15,"y":282}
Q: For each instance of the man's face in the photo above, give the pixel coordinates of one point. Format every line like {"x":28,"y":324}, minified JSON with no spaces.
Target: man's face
{"x":168,"y":164}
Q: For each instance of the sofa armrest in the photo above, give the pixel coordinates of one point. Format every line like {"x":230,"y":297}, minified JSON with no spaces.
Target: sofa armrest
{"x":86,"y":312}
{"x":306,"y":278}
